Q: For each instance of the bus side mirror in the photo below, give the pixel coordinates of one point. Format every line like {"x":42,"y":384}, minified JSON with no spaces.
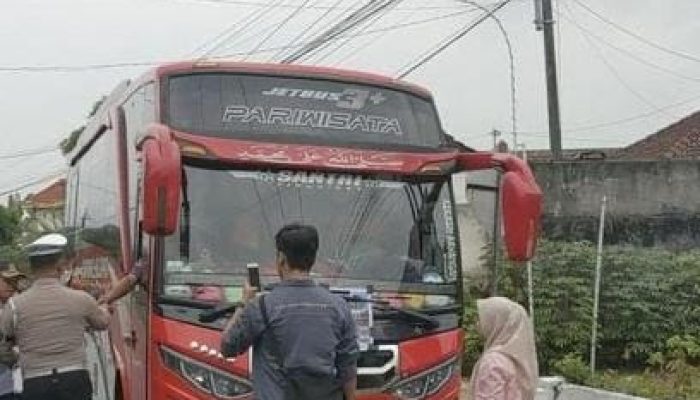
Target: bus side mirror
{"x":521,"y":201}
{"x":521,"y":207}
{"x":162,"y":177}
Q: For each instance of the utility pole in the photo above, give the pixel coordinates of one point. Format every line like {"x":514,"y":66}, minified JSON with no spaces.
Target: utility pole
{"x":596,"y":288}
{"x":496,"y":134}
{"x":545,"y":22}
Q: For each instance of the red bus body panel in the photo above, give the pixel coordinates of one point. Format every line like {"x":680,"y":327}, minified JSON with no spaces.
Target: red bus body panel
{"x":139,"y":333}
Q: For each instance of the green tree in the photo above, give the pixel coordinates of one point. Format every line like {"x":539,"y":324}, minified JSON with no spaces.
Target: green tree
{"x":10,"y":233}
{"x":68,"y":144}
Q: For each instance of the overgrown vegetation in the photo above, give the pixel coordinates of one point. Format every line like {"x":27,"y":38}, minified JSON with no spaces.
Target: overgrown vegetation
{"x":649,"y":318}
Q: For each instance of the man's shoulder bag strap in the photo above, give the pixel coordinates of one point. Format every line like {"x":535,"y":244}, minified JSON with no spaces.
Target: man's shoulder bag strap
{"x":274,"y":350}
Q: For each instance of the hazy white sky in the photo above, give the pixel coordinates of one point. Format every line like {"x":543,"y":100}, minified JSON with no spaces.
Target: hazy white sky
{"x":614,"y":88}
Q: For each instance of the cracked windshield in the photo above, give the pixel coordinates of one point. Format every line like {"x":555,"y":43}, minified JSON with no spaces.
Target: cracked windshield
{"x":389,"y":235}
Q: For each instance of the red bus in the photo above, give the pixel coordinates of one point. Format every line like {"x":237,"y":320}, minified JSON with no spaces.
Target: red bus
{"x":189,"y":171}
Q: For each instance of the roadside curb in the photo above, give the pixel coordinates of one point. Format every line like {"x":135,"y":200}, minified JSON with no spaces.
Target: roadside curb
{"x":556,"y":388}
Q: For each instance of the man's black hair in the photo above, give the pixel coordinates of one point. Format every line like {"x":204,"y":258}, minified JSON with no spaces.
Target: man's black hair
{"x":41,"y":262}
{"x":299,"y":244}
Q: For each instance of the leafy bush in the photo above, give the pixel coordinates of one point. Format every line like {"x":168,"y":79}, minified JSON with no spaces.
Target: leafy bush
{"x":648,"y":385}
{"x":648,"y":296}
{"x":573,"y":369}
{"x":473,"y":343}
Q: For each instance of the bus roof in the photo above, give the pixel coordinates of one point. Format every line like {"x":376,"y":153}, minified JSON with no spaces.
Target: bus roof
{"x":96,"y":124}
{"x":305,"y":71}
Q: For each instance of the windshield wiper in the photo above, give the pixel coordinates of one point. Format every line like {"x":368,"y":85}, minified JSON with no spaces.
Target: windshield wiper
{"x":179,"y":301}
{"x":210,"y":312}
{"x":217,"y":312}
{"x":413,"y":316}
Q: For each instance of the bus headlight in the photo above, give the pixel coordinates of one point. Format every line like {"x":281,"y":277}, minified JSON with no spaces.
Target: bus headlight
{"x":205,"y":377}
{"x":426,"y":383}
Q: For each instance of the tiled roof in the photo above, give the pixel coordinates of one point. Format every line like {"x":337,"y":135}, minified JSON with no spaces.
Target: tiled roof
{"x":679,"y":140}
{"x":52,"y":196}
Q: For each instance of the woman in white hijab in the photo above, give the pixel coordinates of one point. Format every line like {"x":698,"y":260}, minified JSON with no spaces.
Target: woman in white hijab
{"x":507,"y":370}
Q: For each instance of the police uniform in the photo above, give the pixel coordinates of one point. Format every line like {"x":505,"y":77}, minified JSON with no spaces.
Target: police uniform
{"x":48,"y":323}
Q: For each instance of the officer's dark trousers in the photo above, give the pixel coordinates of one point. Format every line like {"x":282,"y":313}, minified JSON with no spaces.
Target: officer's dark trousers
{"x":73,"y":385}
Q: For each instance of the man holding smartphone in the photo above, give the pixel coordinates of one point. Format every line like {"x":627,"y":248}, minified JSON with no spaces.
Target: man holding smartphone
{"x":304,"y":340}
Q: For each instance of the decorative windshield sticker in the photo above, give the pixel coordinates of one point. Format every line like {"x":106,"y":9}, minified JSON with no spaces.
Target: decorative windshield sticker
{"x":352,"y":99}
{"x":451,"y":253}
{"x":312,"y":179}
{"x":315,"y":180}
{"x":312,"y":118}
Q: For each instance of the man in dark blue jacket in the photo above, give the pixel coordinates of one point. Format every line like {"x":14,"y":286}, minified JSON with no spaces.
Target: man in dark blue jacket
{"x":303,"y":336}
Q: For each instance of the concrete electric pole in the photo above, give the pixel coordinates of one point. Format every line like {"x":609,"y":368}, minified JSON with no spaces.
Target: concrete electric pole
{"x":545,"y":22}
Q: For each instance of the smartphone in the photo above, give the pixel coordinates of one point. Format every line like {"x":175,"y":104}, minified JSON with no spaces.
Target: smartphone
{"x":254,"y":275}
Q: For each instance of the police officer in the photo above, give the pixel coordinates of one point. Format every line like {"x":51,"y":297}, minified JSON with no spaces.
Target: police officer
{"x":48,"y":322}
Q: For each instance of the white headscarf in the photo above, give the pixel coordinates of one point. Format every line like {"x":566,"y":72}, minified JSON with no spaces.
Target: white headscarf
{"x":508,"y":330}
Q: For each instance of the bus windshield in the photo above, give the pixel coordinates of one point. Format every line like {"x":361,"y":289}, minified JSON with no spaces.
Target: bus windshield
{"x":397,"y":236}
{"x":299,"y":110}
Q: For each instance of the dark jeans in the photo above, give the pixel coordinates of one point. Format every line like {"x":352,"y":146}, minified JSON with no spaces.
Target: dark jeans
{"x":73,"y":385}
{"x":10,"y":396}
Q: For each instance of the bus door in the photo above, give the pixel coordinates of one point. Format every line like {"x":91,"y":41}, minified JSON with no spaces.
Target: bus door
{"x":140,"y":309}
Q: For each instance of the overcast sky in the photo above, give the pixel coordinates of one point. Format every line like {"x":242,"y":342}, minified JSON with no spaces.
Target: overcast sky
{"x":615,"y":89}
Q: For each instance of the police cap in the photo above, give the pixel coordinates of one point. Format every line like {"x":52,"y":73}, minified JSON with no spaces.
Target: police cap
{"x":47,"y":245}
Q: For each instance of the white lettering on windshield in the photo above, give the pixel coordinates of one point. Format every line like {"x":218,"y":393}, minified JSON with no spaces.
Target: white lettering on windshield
{"x":351,"y":98}
{"x":316,"y":179}
{"x":312,"y":118}
{"x":451,"y":256}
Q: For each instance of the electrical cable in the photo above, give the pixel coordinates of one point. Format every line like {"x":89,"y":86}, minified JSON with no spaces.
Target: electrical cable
{"x":613,"y":70}
{"x":253,"y":19}
{"x":458,"y":35}
{"x":400,"y":26}
{"x":31,"y":183}
{"x":632,"y":55}
{"x":640,"y":38}
{"x":258,"y":4}
{"x":284,"y":22}
{"x":368,"y":23}
{"x":87,"y":67}
{"x":511,"y":59}
{"x":29,"y":153}
{"x":357,"y":49}
{"x":304,"y":32}
{"x":220,"y":35}
{"x":344,"y":26}
{"x":612,"y":123}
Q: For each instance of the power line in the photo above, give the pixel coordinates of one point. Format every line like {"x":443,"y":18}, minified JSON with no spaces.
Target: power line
{"x":29,"y":153}
{"x":321,"y":7}
{"x":87,"y":67}
{"x":308,"y":29}
{"x":234,"y":31}
{"x":368,"y":43}
{"x":221,"y":35}
{"x":75,"y":68}
{"x":423,"y":60}
{"x":344,"y":26}
{"x":612,"y":69}
{"x":511,"y":60}
{"x":632,"y":55}
{"x":281,"y":25}
{"x":376,"y":17}
{"x":642,"y":39}
{"x":31,"y":183}
{"x":621,"y":121}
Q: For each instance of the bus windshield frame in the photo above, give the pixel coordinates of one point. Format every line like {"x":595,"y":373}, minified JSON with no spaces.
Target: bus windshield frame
{"x":393,"y":235}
